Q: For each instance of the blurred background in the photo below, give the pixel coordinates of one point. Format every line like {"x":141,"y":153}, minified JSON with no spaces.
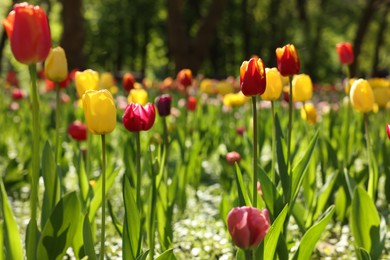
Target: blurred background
{"x":156,"y":38}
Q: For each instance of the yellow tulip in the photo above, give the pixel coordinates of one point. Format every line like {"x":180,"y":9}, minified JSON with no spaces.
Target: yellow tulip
{"x":347,"y":87}
{"x":207,"y":86}
{"x":86,"y":80}
{"x":381,"y":89}
{"x":309,"y":113}
{"x":274,"y":85}
{"x":100,"y":111}
{"x":224,"y":87}
{"x":362,"y":96}
{"x":56,"y":66}
{"x":138,"y":95}
{"x":302,"y":88}
{"x":234,"y":99}
{"x":107,"y":80}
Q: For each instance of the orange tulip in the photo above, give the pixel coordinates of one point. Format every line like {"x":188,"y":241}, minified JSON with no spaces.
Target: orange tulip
{"x":252,"y":77}
{"x":288,"y":60}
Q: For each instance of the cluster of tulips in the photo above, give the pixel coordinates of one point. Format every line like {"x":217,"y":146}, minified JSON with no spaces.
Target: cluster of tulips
{"x":248,"y":225}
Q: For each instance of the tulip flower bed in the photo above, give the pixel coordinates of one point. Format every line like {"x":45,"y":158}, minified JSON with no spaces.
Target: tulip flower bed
{"x":91,"y":169}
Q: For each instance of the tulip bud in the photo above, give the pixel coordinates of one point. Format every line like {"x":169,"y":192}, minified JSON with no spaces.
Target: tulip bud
{"x":240,"y":130}
{"x":362,"y":96}
{"x":274,"y":85}
{"x":139,"y":118}
{"x":107,"y":80}
{"x":17,"y":94}
{"x":388,"y":130}
{"x":191,"y":103}
{"x":345,"y":52}
{"x":128,"y":81}
{"x":56,"y":66}
{"x":184,"y":77}
{"x":78,"y":131}
{"x":288,"y":60}
{"x":138,"y":95}
{"x":302,"y":88}
{"x":233,"y":157}
{"x":252,"y":77}
{"x":248,"y":226}
{"x":86,"y":80}
{"x":163,"y":104}
{"x":309,"y":113}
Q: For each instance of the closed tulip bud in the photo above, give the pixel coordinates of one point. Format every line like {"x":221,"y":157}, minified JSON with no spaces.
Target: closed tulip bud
{"x":163,"y":104}
{"x":288,"y":60}
{"x":345,"y":52}
{"x":191,"y":103}
{"x":388,"y":130}
{"x":362,"y":96}
{"x":184,"y":77}
{"x":309,"y":113}
{"x":100,"y":111}
{"x":86,"y":80}
{"x":78,"y":131}
{"x":302,"y":88}
{"x":56,"y":66}
{"x":139,"y":118}
{"x":233,"y":157}
{"x":138,"y":95}
{"x":17,"y":94}
{"x":248,"y":226}
{"x":128,"y":81}
{"x":28,"y":30}
{"x":252,"y":77}
{"x":274,"y":86}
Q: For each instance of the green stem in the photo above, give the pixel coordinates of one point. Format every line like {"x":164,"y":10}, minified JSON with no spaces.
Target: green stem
{"x":88,"y":155}
{"x":249,"y":255}
{"x":58,"y":123}
{"x":152,"y":217}
{"x":166,"y":143}
{"x":290,"y":125}
{"x":102,"y":237}
{"x":254,"y":183}
{"x":372,"y":180}
{"x":138,"y":170}
{"x":347,"y":122}
{"x":31,"y":239}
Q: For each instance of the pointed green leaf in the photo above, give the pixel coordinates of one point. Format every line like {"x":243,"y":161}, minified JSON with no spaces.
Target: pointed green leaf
{"x":362,"y":254}
{"x":325,"y":193}
{"x":167,"y":255}
{"x":143,"y":256}
{"x":88,"y":239}
{"x":242,"y":189}
{"x":268,"y":189}
{"x":282,"y":167}
{"x":114,"y":218}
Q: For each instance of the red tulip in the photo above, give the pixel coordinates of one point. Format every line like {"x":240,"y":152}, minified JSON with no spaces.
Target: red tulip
{"x":252,"y":77}
{"x":248,"y":226}
{"x":184,"y":77}
{"x":345,"y":52}
{"x":388,"y":130}
{"x":78,"y":131}
{"x":232,"y":157}
{"x":139,"y":118}
{"x":288,"y":60}
{"x":28,"y":29}
{"x":12,"y":78}
{"x":128,"y":81}
{"x":163,"y":104}
{"x":17,"y":94}
{"x":191,"y":103}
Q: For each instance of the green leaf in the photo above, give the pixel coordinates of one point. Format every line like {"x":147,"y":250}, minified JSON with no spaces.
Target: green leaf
{"x":9,"y":230}
{"x":373,"y":175}
{"x":60,"y":228}
{"x":311,"y":237}
{"x":51,"y":180}
{"x":269,"y":190}
{"x":283,"y":173}
{"x":114,"y":218}
{"x":78,"y":242}
{"x":85,"y":189}
{"x":242,"y":194}
{"x":240,"y":254}
{"x":88,"y":239}
{"x":132,"y":224}
{"x":362,"y":254}
{"x":341,"y":203}
{"x":325,"y":193}
{"x":366,"y":224}
{"x":97,"y":198}
{"x":143,"y":256}
{"x":272,"y":237}
{"x":299,"y":169}
{"x":167,"y":255}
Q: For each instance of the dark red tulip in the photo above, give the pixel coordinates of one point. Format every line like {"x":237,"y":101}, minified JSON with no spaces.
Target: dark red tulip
{"x":191,"y":103}
{"x":163,"y":104}
{"x":17,"y":94}
{"x":78,"y":131}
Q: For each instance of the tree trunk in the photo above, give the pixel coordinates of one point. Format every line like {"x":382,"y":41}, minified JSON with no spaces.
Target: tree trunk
{"x":380,"y":40}
{"x":73,"y":36}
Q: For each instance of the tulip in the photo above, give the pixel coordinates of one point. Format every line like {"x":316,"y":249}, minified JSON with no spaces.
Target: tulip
{"x":345,"y":52}
{"x":78,"y":131}
{"x":381,"y":89}
{"x":234,"y":99}
{"x":224,"y":87}
{"x":388,"y":130}
{"x":138,"y":95}
{"x":28,"y":30}
{"x":252,"y":77}
{"x":86,"y":80}
{"x":17,"y":94}
{"x":191,"y":103}
{"x":274,"y":85}
{"x":288,"y":60}
{"x":107,"y":80}
{"x":207,"y":86}
{"x":309,"y":113}
{"x":163,"y":104}
{"x":12,"y":78}
{"x":233,"y":157}
{"x":184,"y":77}
{"x":302,"y":88}
{"x":362,"y":96}
{"x":139,"y":118}
{"x":128,"y":81}
{"x":56,"y":66}
{"x":100,"y":111}
{"x":248,"y":226}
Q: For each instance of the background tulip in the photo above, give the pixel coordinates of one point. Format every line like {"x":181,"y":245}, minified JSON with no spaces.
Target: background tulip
{"x":234,"y":99}
{"x":288,"y":60}
{"x":362,"y":96}
{"x":232,"y":157}
{"x":100,"y":111}
{"x":309,"y":113}
{"x":128,"y":81}
{"x":274,"y":85}
{"x":138,"y":95}
{"x":139,"y":118}
{"x":86,"y":80}
{"x":248,"y":226}
{"x":191,"y":103}
{"x":207,"y":86}
{"x":302,"y":88}
{"x":224,"y":87}
{"x":252,"y":77}
{"x":163,"y":104}
{"x":345,"y":52}
{"x":17,"y":94}
{"x":184,"y":77}
{"x":56,"y":66}
{"x":78,"y":131}
{"x":388,"y":130}
{"x":28,"y":30}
